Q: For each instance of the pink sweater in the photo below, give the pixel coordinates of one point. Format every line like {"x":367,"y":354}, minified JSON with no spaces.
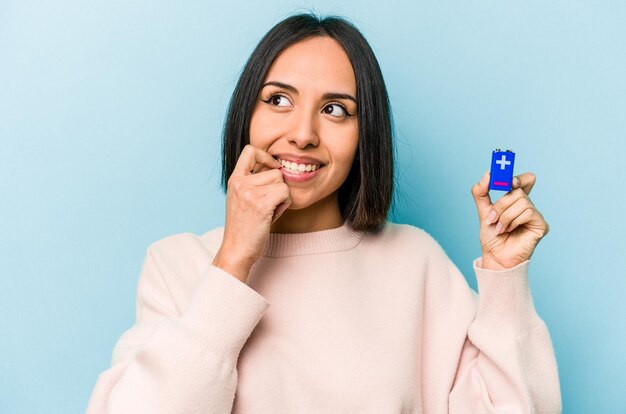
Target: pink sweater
{"x":332,"y":321}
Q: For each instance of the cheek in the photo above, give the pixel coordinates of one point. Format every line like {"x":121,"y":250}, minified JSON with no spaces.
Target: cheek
{"x":344,"y":145}
{"x":343,"y":160}
{"x":254,"y":125}
{"x":261,"y":128}
{"x":347,"y":166}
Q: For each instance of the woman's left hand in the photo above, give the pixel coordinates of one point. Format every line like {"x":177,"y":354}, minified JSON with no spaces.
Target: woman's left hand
{"x":511,"y":227}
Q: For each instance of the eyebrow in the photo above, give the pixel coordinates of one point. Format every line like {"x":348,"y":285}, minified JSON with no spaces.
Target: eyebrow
{"x":328,"y":95}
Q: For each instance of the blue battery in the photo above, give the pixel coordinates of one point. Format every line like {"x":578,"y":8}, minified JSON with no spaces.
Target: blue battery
{"x":502,"y":163}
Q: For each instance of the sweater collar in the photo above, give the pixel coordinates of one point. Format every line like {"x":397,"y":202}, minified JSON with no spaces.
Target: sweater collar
{"x":340,"y":238}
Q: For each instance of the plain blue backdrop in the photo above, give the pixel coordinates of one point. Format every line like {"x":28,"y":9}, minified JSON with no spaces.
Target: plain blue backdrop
{"x":110,"y":121}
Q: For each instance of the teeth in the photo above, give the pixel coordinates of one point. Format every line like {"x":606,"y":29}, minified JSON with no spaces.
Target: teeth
{"x":299,"y":168}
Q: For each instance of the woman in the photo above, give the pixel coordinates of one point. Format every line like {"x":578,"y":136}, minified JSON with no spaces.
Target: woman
{"x":308,"y":300}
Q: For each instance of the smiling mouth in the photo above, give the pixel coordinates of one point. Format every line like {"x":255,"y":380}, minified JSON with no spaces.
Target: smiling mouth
{"x":295,"y":168}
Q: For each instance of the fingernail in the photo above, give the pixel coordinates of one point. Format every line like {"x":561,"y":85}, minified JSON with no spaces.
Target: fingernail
{"x":499,"y":228}
{"x":491,"y":217}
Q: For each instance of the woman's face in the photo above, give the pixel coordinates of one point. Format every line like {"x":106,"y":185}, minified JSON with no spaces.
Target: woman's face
{"x":307,"y":107}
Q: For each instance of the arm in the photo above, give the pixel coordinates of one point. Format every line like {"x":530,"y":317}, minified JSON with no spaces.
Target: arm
{"x":173,"y":362}
{"x":507,"y":363}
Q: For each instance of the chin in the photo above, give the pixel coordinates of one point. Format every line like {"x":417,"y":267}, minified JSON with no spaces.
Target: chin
{"x":301,"y":201}
{"x":297,"y":204}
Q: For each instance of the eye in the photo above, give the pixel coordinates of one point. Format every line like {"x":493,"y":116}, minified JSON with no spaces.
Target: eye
{"x":339,"y":110}
{"x":277,"y":100}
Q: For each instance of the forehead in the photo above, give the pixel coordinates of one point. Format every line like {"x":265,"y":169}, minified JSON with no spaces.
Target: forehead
{"x":318,"y":62}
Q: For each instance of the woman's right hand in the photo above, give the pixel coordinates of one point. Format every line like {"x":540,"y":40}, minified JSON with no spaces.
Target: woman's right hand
{"x":256,"y":196}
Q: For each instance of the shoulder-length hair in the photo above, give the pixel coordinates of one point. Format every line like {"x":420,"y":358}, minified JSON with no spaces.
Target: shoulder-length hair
{"x":366,"y":194}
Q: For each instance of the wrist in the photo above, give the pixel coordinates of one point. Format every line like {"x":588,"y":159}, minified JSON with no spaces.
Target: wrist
{"x":231,"y":264}
{"x":490,"y":263}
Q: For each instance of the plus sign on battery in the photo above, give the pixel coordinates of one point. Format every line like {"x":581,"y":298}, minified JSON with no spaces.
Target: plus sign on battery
{"x":503,"y":162}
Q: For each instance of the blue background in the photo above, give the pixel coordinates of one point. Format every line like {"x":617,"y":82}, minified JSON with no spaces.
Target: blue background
{"x":110,"y":122}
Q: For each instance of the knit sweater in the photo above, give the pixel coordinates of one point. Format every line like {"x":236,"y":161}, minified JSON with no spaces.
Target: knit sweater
{"x":330,"y":321}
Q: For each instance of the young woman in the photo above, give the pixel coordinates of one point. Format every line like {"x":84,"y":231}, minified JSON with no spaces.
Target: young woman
{"x":308,"y":300}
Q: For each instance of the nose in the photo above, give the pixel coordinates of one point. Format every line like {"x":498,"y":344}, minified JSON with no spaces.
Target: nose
{"x":304,"y":130}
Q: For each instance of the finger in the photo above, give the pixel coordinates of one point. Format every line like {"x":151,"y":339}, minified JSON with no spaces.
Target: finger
{"x":263,"y":167}
{"x":503,"y":203}
{"x":532,"y":219}
{"x":512,"y":213}
{"x":280,"y":209}
{"x":249,"y":158}
{"x":275,"y":198}
{"x":525,"y":217}
{"x":480,"y":192}
{"x":273,"y":176}
{"x":524,"y":181}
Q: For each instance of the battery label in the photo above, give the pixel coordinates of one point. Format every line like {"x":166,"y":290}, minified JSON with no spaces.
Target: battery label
{"x":501,"y":177}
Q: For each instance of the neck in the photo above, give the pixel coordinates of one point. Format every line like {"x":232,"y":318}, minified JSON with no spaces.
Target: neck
{"x":322,"y":215}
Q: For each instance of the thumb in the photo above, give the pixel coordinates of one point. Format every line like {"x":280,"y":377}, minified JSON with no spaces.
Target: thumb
{"x":480,"y":192}
{"x":280,"y":209}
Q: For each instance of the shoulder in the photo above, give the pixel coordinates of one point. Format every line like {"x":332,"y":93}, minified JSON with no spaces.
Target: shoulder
{"x":185,"y":253}
{"x":188,"y":241}
{"x":407,"y":244}
{"x":428,"y":258}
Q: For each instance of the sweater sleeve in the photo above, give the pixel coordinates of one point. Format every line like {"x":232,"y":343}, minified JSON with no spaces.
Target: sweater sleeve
{"x":172,"y":362}
{"x":507,"y":363}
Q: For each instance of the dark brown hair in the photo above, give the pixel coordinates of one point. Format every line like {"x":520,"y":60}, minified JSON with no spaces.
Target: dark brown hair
{"x":366,"y":194}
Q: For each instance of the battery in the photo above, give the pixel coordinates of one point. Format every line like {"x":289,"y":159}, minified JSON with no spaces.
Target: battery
{"x":501,"y":177}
